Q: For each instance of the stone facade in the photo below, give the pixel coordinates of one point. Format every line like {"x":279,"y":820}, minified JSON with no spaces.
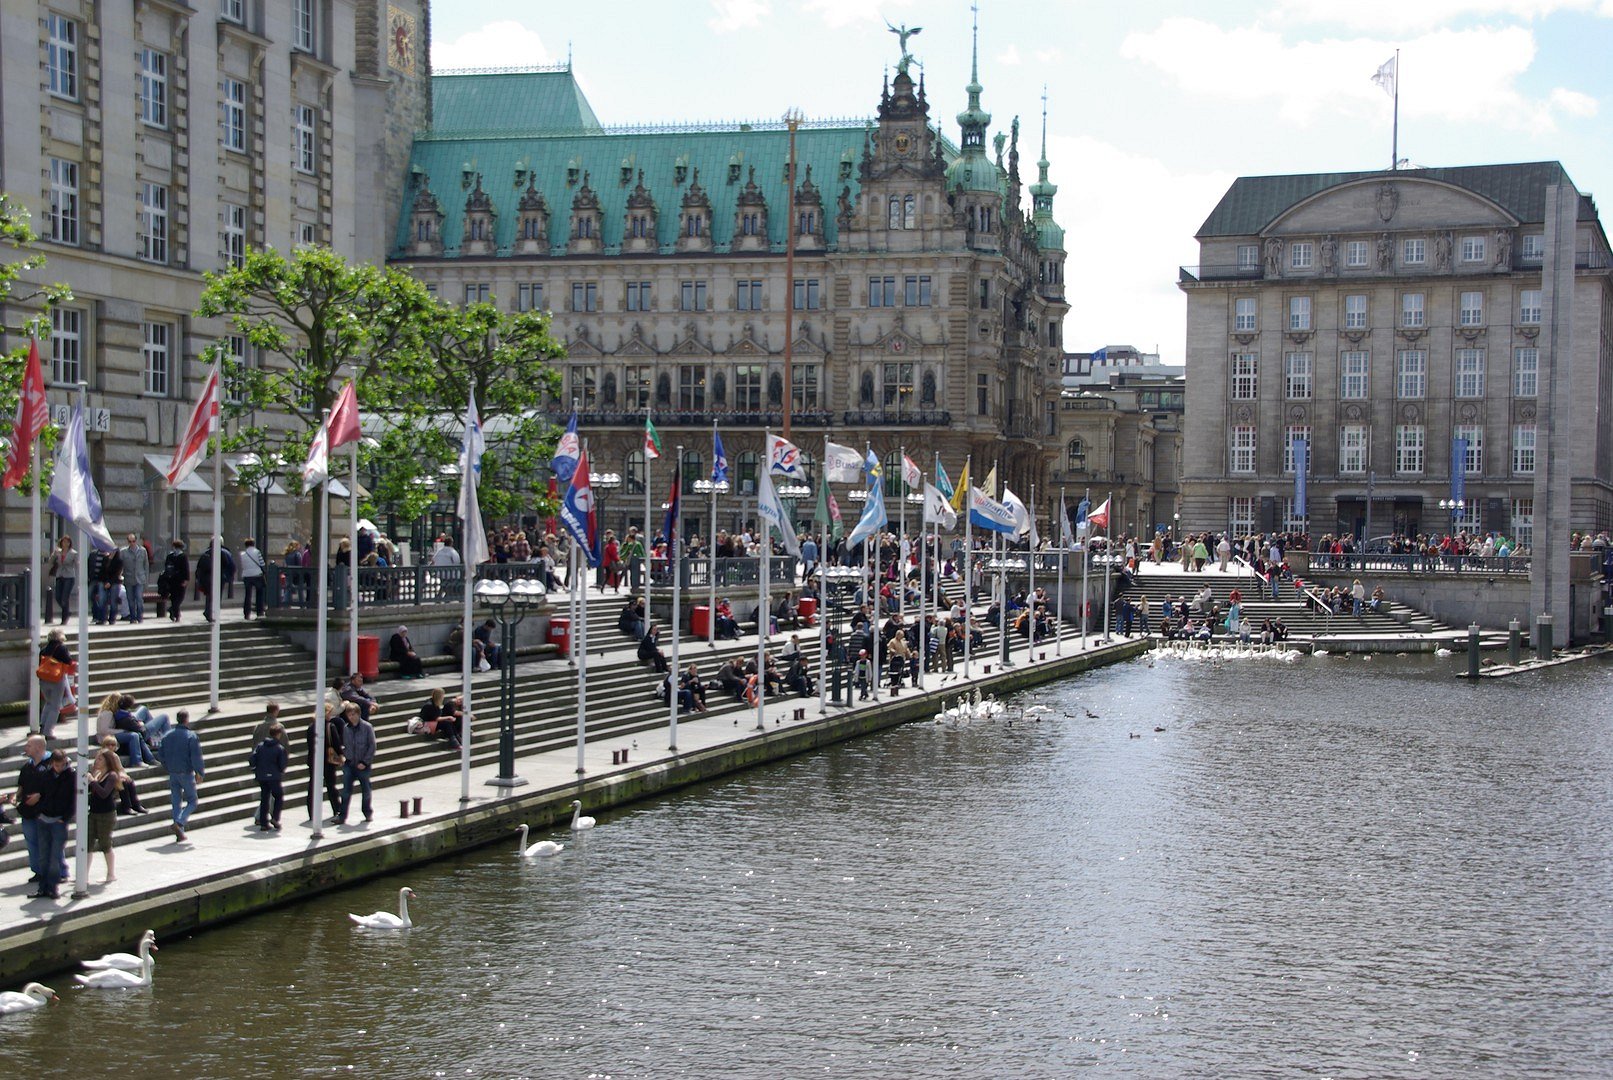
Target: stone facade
{"x":1383,"y":316}
{"x":1120,"y":434}
{"x":155,"y":141}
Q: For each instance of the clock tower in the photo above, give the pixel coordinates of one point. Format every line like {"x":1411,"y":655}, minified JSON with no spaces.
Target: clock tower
{"x":392,"y":73}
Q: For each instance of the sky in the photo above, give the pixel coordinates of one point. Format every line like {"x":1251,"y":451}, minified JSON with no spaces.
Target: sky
{"x":1154,"y":107}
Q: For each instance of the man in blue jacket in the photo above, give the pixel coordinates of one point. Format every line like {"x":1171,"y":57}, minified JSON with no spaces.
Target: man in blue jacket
{"x":358,"y":740}
{"x":268,"y":761}
{"x":181,"y":754}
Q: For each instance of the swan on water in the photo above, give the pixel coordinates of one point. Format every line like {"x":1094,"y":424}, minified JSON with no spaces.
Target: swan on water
{"x":385,"y":920}
{"x":1442,"y":652}
{"x":32,"y":996}
{"x":126,"y":961}
{"x":541,"y":850}
{"x":578,"y":821}
{"x":117,"y":978}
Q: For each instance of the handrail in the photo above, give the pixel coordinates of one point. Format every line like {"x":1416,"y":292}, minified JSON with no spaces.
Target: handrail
{"x":1420,"y":563}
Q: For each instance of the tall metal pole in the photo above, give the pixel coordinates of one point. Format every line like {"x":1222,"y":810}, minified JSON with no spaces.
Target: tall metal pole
{"x":216,"y":577}
{"x":1030,"y":600}
{"x":1394,"y":152}
{"x":352,"y":558}
{"x":968,"y":568}
{"x":792,"y":119}
{"x":675,"y":565}
{"x":580,"y":650}
{"x":467,"y":637}
{"x":645,"y":539}
{"x":1108,"y":562}
{"x":321,"y":569}
{"x":823,"y":584}
{"x":1064,"y":554}
{"x":1086,"y":567}
{"x":901,"y":540}
{"x":36,"y":627}
{"x":763,"y":566}
{"x":81,"y":845}
{"x":711,"y":548}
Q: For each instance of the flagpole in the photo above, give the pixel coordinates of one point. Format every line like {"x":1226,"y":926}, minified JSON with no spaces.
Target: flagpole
{"x":968,"y":563}
{"x":1000,"y":546}
{"x":645,"y":539}
{"x":467,"y":651}
{"x":874,"y":541}
{"x":901,"y":539}
{"x":674,"y":565}
{"x":1086,"y":566}
{"x":1064,"y":552}
{"x":216,"y":582}
{"x":711,"y":548}
{"x":81,"y":847}
{"x":1030,"y":600}
{"x":35,"y":573}
{"x":580,"y":645}
{"x":572,"y":603}
{"x":1108,"y":562}
{"x":1394,"y":149}
{"x":322,"y":572}
{"x":764,"y":567}
{"x":823,"y":582}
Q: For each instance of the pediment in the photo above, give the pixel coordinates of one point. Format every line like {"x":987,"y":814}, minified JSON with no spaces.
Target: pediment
{"x":690,"y":346}
{"x":1393,"y":203}
{"x":582,"y":346}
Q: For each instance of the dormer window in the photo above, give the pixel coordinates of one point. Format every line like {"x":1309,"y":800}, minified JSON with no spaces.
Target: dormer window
{"x":639,"y":227}
{"x":585,"y":228}
{"x":733,"y":172}
{"x":750,"y":225}
{"x":477,"y":230}
{"x":806,"y":222}
{"x":531,"y":229}
{"x":694,"y":225}
{"x":422,"y":230}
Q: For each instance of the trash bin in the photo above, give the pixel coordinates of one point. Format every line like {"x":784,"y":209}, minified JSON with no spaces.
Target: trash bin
{"x":808,"y":606}
{"x":560,"y":634}
{"x":369,"y":656}
{"x":700,"y":621}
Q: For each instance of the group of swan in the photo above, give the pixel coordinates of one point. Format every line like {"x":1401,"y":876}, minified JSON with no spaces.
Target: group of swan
{"x":121,"y":970}
{"x":1200,"y":651}
{"x":972,"y":708}
{"x":545,"y":849}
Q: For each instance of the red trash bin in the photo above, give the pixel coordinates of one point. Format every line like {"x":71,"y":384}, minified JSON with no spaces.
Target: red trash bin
{"x":369,"y":656}
{"x":700,"y":621}
{"x":560,"y":634}
{"x":808,"y":606}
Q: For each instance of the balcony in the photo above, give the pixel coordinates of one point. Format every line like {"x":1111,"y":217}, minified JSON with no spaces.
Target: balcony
{"x":665,"y":416}
{"x":1193,"y":275}
{"x":898,"y":418}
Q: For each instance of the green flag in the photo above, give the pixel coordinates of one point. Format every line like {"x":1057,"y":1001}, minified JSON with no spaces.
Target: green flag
{"x":828,"y":510}
{"x":942,"y":482}
{"x":652,"y":440}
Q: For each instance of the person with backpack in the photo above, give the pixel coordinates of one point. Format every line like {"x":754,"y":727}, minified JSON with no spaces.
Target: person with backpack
{"x":268,"y":761}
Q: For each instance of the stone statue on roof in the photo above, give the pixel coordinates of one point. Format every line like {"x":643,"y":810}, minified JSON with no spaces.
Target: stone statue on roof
{"x":902,"y":34}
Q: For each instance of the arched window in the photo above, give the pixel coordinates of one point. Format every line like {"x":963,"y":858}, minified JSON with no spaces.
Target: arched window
{"x":893,"y":213}
{"x":910,"y":217}
{"x":1077,"y":454}
{"x":633,"y":472}
{"x":694,"y":225}
{"x":694,"y":468}
{"x":746,"y":471}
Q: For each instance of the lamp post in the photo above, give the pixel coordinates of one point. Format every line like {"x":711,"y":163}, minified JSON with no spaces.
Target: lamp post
{"x":604,"y":483}
{"x":705,"y":487}
{"x":510,"y":604}
{"x":836,"y":582}
{"x":1453,"y":509}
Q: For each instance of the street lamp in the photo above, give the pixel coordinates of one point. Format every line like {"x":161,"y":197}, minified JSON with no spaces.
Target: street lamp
{"x":604,"y":483}
{"x":510,"y":604}
{"x":838,"y":581}
{"x":1454,"y":508}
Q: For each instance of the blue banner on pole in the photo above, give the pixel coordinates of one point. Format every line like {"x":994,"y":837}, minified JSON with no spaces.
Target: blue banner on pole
{"x":1302,"y":466}
{"x":1458,"y":470}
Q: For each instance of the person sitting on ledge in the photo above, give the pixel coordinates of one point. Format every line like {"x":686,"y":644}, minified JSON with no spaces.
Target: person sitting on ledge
{"x":649,"y":649}
{"x":692,"y":685}
{"x":787,"y":611}
{"x":401,"y":650}
{"x":631,"y":619}
{"x":437,"y":717}
{"x":1379,"y":599}
{"x":731,"y":677}
{"x":727,"y":627}
{"x":483,"y":636}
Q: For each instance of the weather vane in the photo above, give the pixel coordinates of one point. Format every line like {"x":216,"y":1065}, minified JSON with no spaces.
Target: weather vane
{"x":902,"y":34}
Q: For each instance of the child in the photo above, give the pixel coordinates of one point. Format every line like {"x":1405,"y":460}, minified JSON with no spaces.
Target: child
{"x":862,"y":674}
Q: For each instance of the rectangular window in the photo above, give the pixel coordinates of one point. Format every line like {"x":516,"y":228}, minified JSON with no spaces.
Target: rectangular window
{"x":1243,"y":314}
{"x":1472,"y":249}
{"x":1248,"y":256}
{"x":692,"y":387}
{"x":585,"y":385}
{"x":1241,"y":514}
{"x":1471,"y":311}
{"x":1523,"y":449}
{"x":1293,"y":433}
{"x":234,"y":106}
{"x":1297,"y":376}
{"x":154,"y":223}
{"x":1245,"y":377}
{"x":1409,"y":448}
{"x":1299,"y":255}
{"x":66,"y":346}
{"x":233,"y":10}
{"x":1523,"y":522}
{"x":896,"y":386}
{"x":1414,"y":252}
{"x":985,"y":293}
{"x":916,"y":290}
{"x":1529,"y":307}
{"x":747,"y":395}
{"x":882,"y":292}
{"x":1292,"y":520}
{"x":749,"y":296}
{"x":982,"y":395}
{"x":1411,"y":374}
{"x":306,"y":139}
{"x":1355,"y":312}
{"x":1243,"y":448}
{"x":1353,"y":448}
{"x":304,"y":33}
{"x":154,"y":87}
{"x":1525,"y":372}
{"x":808,"y":294}
{"x":307,"y":234}
{"x":805,"y":390}
{"x":1355,"y":254}
{"x":529,"y":296}
{"x":478,"y":293}
{"x":1412,"y":314}
{"x":63,"y":201}
{"x":1469,"y":373}
{"x":584,"y":296}
{"x":1353,"y":368}
{"x":234,"y":236}
{"x":236,"y":347}
{"x":636,"y":381}
{"x":1299,"y":313}
{"x":1534,"y":247}
{"x":61,"y":55}
{"x":155,"y":353}
{"x":1473,"y":457}
{"x":638,"y":296}
{"x":691,"y":296}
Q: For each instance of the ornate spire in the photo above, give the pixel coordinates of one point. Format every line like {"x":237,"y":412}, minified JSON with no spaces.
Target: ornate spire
{"x":974,"y":120}
{"x":1049,"y":237}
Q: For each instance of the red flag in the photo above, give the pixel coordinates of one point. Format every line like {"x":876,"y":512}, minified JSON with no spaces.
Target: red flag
{"x":1100,"y":517}
{"x":32,"y":416}
{"x":203,"y":422}
{"x":344,"y":418}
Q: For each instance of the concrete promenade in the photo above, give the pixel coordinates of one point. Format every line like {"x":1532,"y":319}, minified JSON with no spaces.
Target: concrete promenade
{"x":230,"y":870}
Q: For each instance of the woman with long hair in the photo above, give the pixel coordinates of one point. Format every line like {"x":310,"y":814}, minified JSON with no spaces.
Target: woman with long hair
{"x":106,"y":781}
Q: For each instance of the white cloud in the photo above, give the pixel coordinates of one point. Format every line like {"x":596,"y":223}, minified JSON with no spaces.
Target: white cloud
{"x":498,"y":44}
{"x":1387,"y":16}
{"x":839,"y":13}
{"x":1048,"y":56}
{"x":1129,"y":221}
{"x":737,"y":14}
{"x":1009,"y":57}
{"x":1466,"y":76}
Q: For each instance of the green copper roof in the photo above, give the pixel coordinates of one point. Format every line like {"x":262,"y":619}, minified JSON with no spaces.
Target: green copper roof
{"x":1253,"y":202}
{"x":514,"y":101}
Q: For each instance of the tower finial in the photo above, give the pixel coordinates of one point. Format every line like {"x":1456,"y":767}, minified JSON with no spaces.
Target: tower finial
{"x":974,"y":42}
{"x":568,"y":54}
{"x":1044,"y":122}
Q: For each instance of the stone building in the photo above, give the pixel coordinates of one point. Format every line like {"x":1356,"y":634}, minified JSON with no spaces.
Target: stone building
{"x":924,"y":310}
{"x":1402,"y":323}
{"x":154,"y":141}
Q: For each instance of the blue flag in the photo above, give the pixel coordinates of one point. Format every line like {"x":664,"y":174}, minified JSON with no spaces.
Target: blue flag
{"x":669,"y":528}
{"x":578,"y":514}
{"x":566,"y":452}
{"x":874,"y":516}
{"x":1081,"y":512}
{"x":1101,"y":356}
{"x":719,"y":459}
{"x":72,"y":489}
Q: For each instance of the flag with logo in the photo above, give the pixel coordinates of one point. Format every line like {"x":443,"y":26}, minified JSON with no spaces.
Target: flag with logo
{"x":719,"y":459}
{"x":577,"y":511}
{"x":912,"y":475}
{"x":1024,"y":521}
{"x":1099,"y":518}
{"x":842,"y":464}
{"x":828,"y":511}
{"x":652,"y":441}
{"x":72,"y":489}
{"x":770,"y":508}
{"x":937,"y":510}
{"x":1385,"y":78}
{"x":192,"y":446}
{"x":987,"y":513}
{"x":873,"y":517}
{"x":784,"y":458}
{"x":871,"y":466}
{"x":470,"y":476}
{"x":567,"y":452}
{"x":33,"y":414}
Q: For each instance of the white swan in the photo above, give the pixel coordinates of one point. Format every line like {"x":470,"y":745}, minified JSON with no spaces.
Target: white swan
{"x":1442,"y":652}
{"x":578,"y":822}
{"x":123,"y":960}
{"x":117,"y":978}
{"x":385,"y":920}
{"x":32,"y":997}
{"x":541,"y":850}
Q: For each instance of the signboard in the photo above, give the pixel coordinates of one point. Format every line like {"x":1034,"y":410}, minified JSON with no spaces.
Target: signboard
{"x":95,"y":419}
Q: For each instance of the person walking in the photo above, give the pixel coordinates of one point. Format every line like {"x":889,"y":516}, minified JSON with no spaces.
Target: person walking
{"x":55,"y":810}
{"x":63,"y":573}
{"x":109,"y":586}
{"x":358,"y":740}
{"x":106,"y":780}
{"x":181,"y":754}
{"x":1223,"y":553}
{"x":30,"y":789}
{"x":268,"y":761}
{"x":204,"y":577}
{"x":136,"y":569}
{"x":56,"y":670}
{"x":175,"y":576}
{"x":252,"y":568}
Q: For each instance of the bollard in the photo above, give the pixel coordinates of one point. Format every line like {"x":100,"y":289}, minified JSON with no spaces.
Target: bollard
{"x":624,"y":757}
{"x":419,"y":805}
{"x":1473,"y":650}
{"x":1543,"y":642}
{"x":403,"y":808}
{"x":615,"y":757}
{"x":1514,"y":642}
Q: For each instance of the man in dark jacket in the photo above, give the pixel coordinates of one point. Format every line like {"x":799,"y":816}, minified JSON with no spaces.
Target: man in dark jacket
{"x":331,"y":765}
{"x":30,"y":789}
{"x":175,"y":576}
{"x":358,"y":739}
{"x":204,"y":577}
{"x":269,"y":760}
{"x":109,"y":587}
{"x":55,"y":811}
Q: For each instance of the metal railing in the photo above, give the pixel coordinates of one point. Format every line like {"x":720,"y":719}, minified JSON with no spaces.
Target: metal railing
{"x":696,"y":573}
{"x":1421,"y":563}
{"x":14,"y":601}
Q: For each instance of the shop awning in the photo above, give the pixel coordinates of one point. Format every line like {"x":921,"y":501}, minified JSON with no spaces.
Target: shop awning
{"x":158,"y":463}
{"x":338,"y":489}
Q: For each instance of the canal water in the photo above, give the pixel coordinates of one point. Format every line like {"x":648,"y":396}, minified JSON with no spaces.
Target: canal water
{"x":1334,"y":868}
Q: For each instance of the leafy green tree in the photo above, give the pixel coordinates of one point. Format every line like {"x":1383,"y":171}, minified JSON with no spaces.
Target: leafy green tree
{"x":19,"y":260}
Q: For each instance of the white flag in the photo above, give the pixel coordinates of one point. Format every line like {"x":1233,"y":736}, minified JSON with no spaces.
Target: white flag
{"x":912,"y":477}
{"x":784,"y":458}
{"x":987,"y":513}
{"x":773,"y":514}
{"x":842,"y":464}
{"x":1024,"y":523}
{"x":316,"y":470}
{"x":937,"y":509}
{"x":1385,"y":77}
{"x":72,"y":490}
{"x":470,"y":475}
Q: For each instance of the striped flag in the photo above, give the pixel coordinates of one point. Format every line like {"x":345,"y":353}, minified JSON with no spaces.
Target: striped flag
{"x":192,"y":448}
{"x":72,"y":489}
{"x":32,"y":416}
{"x":652,"y":441}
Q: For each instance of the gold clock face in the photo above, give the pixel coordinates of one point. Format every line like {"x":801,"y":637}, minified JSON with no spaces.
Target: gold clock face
{"x":903,"y":143}
{"x":400,"y":49}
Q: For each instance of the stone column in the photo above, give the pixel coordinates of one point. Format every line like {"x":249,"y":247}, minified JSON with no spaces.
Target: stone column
{"x":1548,"y":583}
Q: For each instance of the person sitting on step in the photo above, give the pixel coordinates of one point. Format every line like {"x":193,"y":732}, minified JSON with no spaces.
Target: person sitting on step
{"x":731,"y":677}
{"x":437,"y":717}
{"x":401,"y":651}
{"x":649,"y":649}
{"x":631,"y":619}
{"x":727,"y":627}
